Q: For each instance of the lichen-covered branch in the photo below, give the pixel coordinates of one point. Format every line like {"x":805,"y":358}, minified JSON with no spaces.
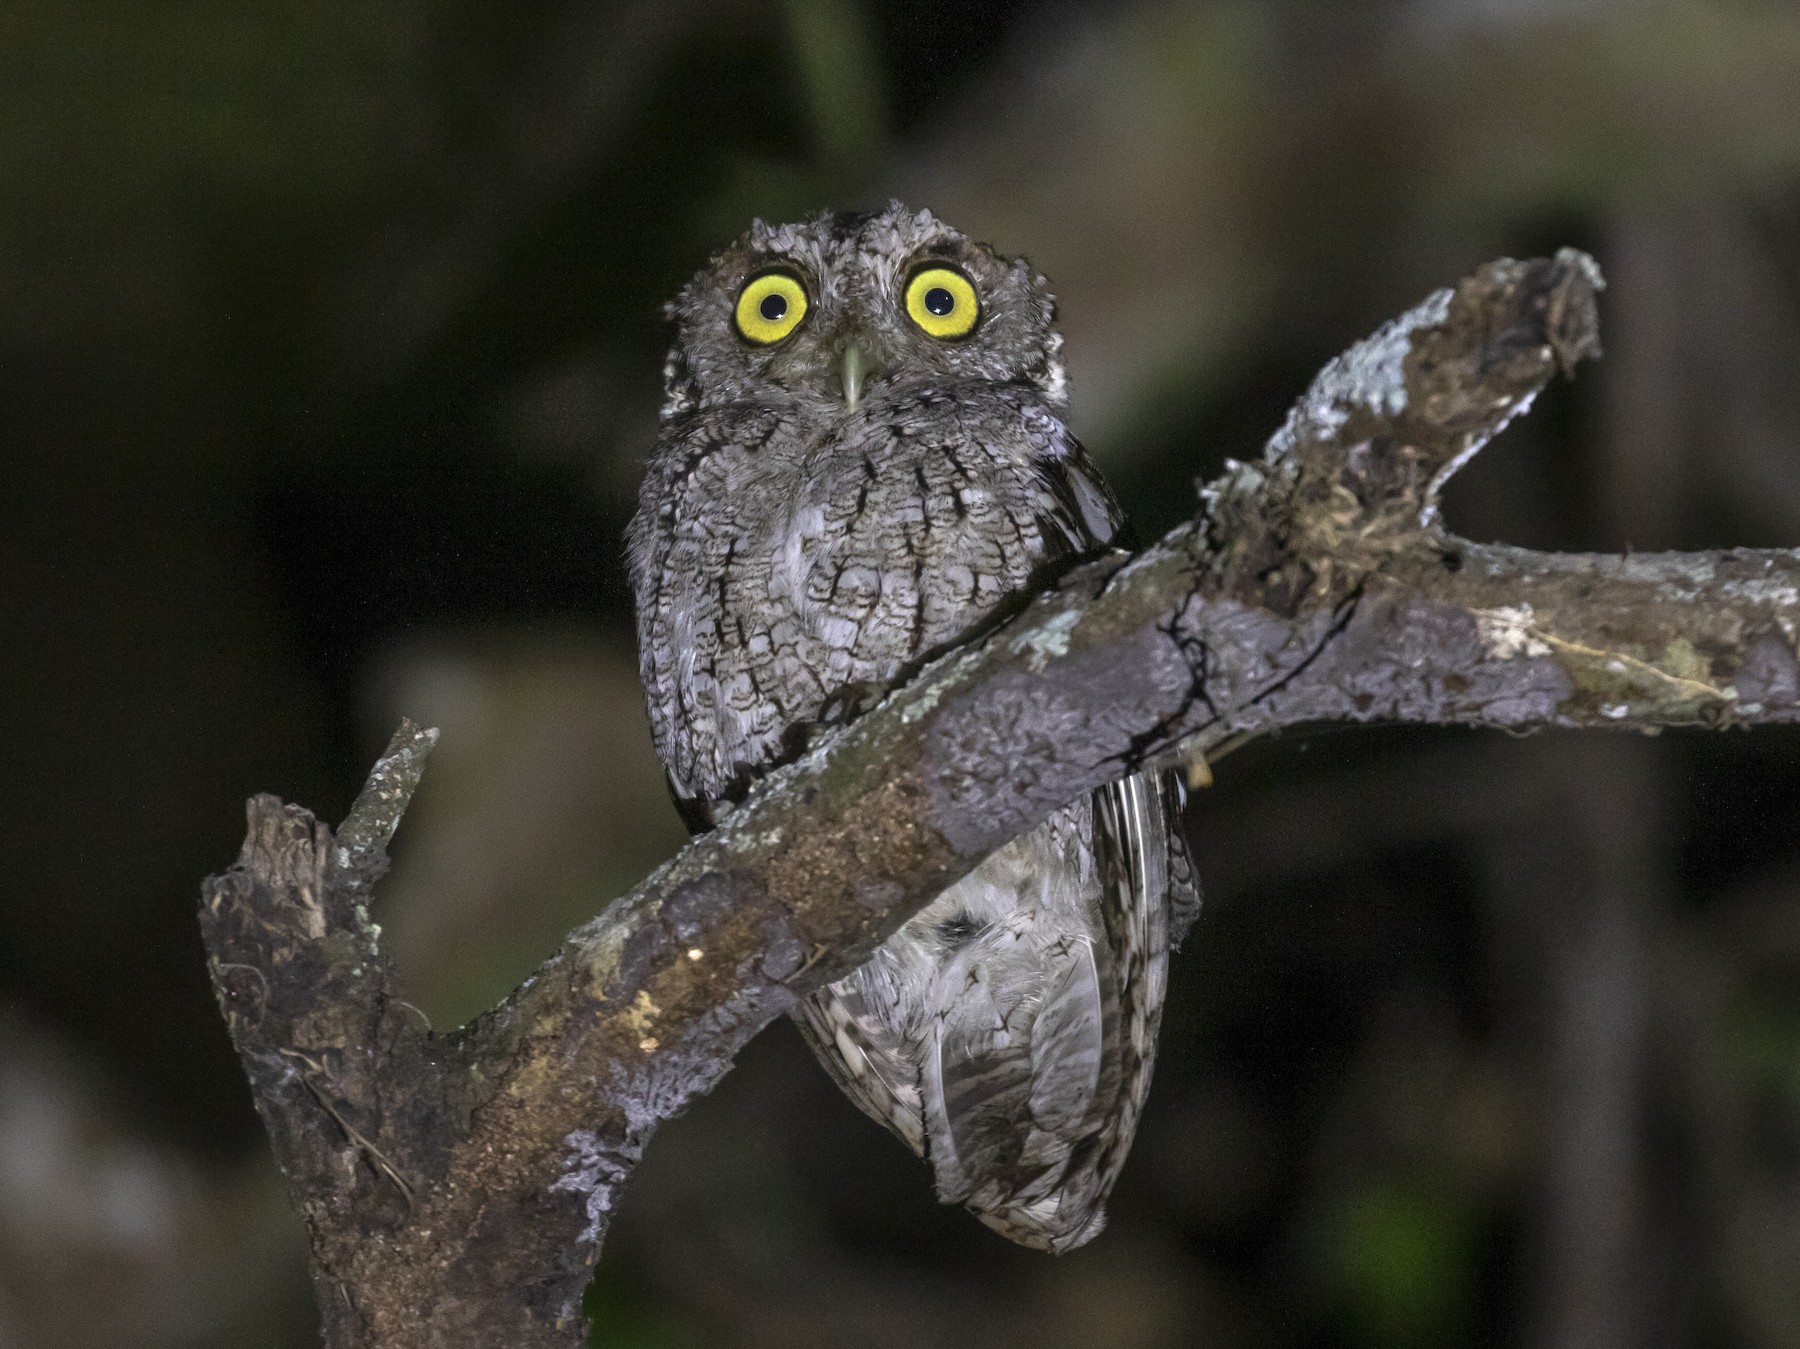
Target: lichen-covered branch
{"x":458,"y":1186}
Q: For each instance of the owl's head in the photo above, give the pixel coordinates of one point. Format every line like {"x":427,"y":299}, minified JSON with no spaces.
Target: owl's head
{"x":840,"y":308}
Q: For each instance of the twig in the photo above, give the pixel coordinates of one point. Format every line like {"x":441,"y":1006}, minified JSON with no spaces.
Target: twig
{"x":310,"y":1072}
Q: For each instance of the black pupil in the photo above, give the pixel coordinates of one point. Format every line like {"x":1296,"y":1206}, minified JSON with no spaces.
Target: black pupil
{"x":772,"y":307}
{"x":939,"y":301}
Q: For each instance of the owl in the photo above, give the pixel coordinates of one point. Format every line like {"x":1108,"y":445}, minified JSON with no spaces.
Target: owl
{"x":863,"y":457}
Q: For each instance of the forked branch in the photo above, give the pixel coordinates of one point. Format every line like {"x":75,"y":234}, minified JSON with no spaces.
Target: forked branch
{"x":458,"y":1186}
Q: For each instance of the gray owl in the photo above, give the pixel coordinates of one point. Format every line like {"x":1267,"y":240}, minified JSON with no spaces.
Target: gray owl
{"x":862,"y":457}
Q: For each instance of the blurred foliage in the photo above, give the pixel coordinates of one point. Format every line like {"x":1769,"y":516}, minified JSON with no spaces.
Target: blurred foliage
{"x":329,"y":352}
{"x":1403,"y":1265}
{"x":622,"y":1320}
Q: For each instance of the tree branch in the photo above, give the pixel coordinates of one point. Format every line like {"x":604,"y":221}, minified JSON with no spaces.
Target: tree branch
{"x":458,"y":1186}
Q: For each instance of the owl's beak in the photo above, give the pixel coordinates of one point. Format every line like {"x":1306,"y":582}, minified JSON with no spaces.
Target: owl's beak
{"x":853,"y":373}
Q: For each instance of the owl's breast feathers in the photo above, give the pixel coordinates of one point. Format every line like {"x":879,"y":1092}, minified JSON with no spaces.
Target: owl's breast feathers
{"x":778,"y":558}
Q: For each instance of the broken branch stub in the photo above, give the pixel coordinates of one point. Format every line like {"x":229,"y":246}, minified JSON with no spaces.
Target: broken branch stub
{"x":1357,"y":468}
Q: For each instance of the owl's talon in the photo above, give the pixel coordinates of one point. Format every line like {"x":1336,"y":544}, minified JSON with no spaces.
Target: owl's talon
{"x":813,"y":956}
{"x":1198,"y":771}
{"x":852,"y":701}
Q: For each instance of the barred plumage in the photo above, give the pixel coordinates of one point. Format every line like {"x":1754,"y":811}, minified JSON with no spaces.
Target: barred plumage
{"x":825,"y":507}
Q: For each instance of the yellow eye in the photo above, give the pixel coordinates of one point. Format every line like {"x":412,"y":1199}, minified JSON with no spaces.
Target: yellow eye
{"x":770,"y":307}
{"x":942,"y":302}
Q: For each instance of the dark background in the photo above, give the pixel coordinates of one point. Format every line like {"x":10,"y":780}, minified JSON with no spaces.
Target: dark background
{"x":329,"y":355}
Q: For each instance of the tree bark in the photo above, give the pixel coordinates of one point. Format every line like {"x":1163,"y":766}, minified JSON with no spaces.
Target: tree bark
{"x":457,"y":1187}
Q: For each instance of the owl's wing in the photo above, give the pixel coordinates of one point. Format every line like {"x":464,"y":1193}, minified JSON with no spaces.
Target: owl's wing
{"x":1079,"y":513}
{"x":1030,"y":1106}
{"x":1146,"y":891}
{"x":864,"y":1057}
{"x":1184,"y":885}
